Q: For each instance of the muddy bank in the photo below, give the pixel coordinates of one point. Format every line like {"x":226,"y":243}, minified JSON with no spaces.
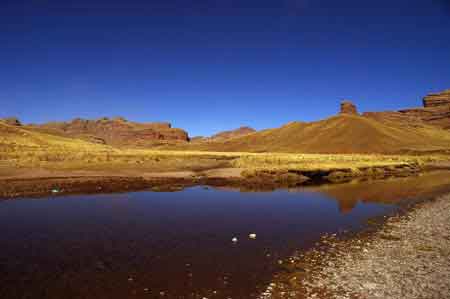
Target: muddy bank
{"x":404,"y":256}
{"x":38,"y":182}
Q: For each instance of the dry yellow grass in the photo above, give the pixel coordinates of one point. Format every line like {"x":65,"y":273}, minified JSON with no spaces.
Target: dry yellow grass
{"x":327,"y":161}
{"x":24,"y":149}
{"x":338,"y":134}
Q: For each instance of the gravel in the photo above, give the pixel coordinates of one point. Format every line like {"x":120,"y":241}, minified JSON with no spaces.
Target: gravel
{"x":408,"y":257}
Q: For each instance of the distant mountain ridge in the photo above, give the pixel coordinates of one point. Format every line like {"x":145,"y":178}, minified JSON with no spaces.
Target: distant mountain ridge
{"x":422,"y":129}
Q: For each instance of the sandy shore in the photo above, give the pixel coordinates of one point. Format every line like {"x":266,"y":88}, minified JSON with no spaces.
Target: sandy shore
{"x":407,"y":257}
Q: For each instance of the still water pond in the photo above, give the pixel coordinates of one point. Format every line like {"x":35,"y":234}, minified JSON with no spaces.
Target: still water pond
{"x":178,"y":245}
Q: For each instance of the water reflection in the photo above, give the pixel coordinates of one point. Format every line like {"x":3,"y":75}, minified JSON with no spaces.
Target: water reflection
{"x":389,"y":191}
{"x":178,"y":245}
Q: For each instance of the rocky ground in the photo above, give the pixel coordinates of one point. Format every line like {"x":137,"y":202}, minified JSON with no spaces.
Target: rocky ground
{"x":407,"y":257}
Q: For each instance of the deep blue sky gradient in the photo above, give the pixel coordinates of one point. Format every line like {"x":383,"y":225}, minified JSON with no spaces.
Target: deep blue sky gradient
{"x":208,"y":66}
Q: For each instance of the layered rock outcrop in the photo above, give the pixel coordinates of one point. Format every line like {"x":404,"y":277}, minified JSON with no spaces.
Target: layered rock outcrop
{"x":437,"y":100}
{"x":437,"y":109}
{"x":117,"y":131}
{"x":347,"y":107}
{"x":405,"y":119}
{"x":435,"y":112}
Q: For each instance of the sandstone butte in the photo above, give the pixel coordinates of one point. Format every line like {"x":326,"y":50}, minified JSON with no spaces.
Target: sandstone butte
{"x":347,"y":107}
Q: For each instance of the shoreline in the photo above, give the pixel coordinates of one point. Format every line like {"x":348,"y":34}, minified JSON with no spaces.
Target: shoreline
{"x":401,"y":255}
{"x":40,"y":182}
{"x":310,"y":268}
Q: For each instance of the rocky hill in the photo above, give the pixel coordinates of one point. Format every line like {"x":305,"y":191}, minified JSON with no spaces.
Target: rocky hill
{"x":116,"y":132}
{"x":435,"y":112}
{"x":242,"y":131}
{"x":225,"y":135}
{"x":437,"y":100}
{"x":340,"y":134}
{"x":424,"y":129}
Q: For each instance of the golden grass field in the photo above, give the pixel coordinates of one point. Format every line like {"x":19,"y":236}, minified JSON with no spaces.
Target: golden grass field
{"x":23,"y":149}
{"x":341,"y":134}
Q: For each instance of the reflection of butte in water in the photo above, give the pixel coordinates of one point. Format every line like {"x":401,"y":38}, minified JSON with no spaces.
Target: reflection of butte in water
{"x":346,"y":206}
{"x":388,"y":191}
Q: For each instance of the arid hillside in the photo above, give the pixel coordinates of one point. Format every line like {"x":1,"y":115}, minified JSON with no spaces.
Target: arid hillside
{"x":15,"y":135}
{"x":225,"y":135}
{"x":27,"y":154}
{"x":19,"y":145}
{"x":417,"y":130}
{"x":116,"y":132}
{"x":435,"y":112}
{"x":340,"y":134}
{"x":242,"y":131}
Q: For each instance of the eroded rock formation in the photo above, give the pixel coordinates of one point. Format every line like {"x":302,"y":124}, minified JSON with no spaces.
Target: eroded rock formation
{"x":437,"y":100}
{"x":435,"y":112}
{"x":117,"y":131}
{"x":347,"y":107}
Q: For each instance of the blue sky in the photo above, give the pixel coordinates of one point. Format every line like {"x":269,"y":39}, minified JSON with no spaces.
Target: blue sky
{"x":208,"y":66}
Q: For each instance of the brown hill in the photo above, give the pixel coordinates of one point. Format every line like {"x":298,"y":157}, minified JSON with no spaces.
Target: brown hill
{"x":435,"y":112}
{"x":242,"y":131}
{"x":225,"y":135}
{"x":344,"y":133}
{"x":116,"y":132}
{"x":12,"y":121}
{"x":425,"y":129}
{"x":18,"y":140}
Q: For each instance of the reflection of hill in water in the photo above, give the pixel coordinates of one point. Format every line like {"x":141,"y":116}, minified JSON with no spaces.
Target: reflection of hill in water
{"x":387,"y":191}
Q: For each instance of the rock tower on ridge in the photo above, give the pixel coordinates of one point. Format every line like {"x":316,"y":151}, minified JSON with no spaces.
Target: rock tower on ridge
{"x":347,"y":107}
